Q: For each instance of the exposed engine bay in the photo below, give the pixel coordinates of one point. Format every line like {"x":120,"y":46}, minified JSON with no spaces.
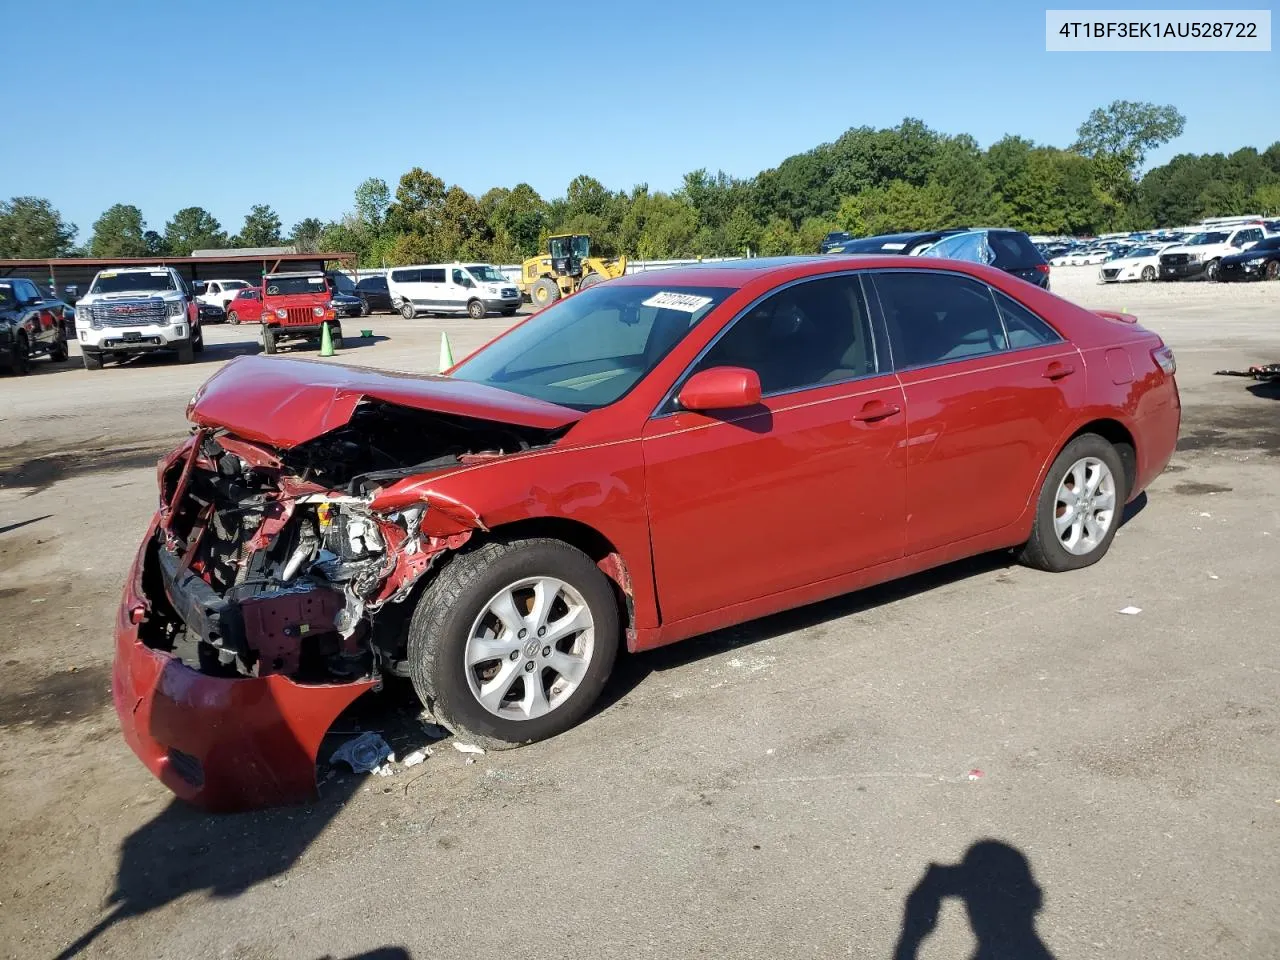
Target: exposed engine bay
{"x":270,"y":561}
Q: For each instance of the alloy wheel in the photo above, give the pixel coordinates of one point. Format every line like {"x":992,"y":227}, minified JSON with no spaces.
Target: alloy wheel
{"x":1085,"y":506}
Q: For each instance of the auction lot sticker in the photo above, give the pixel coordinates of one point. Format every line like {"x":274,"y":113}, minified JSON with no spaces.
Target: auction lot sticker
{"x":686,"y":302}
{"x":1241,"y":31}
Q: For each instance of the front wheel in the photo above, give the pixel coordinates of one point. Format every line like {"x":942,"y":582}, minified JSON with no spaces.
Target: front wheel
{"x":92,"y":360}
{"x":1079,"y":508}
{"x":544,"y":293}
{"x":476,"y":310}
{"x":58,"y":351}
{"x":365,"y":309}
{"x":197,"y":341}
{"x":186,"y":352}
{"x":268,"y":340}
{"x":1148,"y":274}
{"x":20,"y":355}
{"x":233,"y":318}
{"x":407,"y":310}
{"x":1211,"y":270}
{"x":1273,"y":270}
{"x":513,"y":641}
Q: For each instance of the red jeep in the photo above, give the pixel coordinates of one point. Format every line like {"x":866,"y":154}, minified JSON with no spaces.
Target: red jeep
{"x":296,"y":306}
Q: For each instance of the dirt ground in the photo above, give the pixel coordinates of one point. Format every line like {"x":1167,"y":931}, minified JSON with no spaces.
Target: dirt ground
{"x":774,"y":790}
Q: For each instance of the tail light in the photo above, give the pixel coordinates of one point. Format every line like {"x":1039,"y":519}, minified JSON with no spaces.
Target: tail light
{"x":1042,"y":268}
{"x":1163,"y":356}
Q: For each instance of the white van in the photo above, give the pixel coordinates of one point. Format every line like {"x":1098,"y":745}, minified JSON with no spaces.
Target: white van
{"x":474,"y":289}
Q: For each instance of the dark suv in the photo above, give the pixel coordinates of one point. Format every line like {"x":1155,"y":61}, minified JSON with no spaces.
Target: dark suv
{"x":1010,"y":250}
{"x":899,"y":244}
{"x":375,"y":295}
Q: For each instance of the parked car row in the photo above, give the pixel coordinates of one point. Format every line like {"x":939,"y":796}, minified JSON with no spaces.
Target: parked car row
{"x":1241,"y":251}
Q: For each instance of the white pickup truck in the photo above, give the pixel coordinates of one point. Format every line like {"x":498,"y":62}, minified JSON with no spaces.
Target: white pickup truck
{"x":1199,"y":256}
{"x":220,"y":293}
{"x":137,"y":310}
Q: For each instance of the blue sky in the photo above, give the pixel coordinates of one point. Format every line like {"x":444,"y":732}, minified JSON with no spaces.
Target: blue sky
{"x":227,"y":104}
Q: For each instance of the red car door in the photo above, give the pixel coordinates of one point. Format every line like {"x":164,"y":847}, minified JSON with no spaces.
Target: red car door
{"x":803,"y":487}
{"x":989,"y":391}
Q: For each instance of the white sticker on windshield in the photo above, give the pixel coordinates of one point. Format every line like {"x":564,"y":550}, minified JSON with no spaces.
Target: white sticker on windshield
{"x":687,"y":302}
{"x":315,"y":279}
{"x":893,"y":246}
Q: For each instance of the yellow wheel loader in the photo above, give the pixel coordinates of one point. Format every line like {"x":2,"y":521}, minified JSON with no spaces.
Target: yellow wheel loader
{"x":566,"y":268}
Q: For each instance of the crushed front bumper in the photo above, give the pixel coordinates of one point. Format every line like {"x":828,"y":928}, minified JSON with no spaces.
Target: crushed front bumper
{"x":221,"y":744}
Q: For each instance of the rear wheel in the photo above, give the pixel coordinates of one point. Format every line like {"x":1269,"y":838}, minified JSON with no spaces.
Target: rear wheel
{"x":268,"y":340}
{"x":233,"y":318}
{"x":513,"y":642}
{"x":590,"y":280}
{"x":407,"y":310}
{"x":1148,"y":274}
{"x":476,"y":310}
{"x":1273,"y":270}
{"x":58,"y":351}
{"x":544,"y":292}
{"x":365,"y":309}
{"x":1079,"y":508}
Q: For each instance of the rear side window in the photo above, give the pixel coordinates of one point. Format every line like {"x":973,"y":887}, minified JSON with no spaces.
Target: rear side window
{"x":433,"y":275}
{"x":1022,"y":327}
{"x":938,"y":317}
{"x":1013,"y":250}
{"x":372,"y":283}
{"x":406,"y":276}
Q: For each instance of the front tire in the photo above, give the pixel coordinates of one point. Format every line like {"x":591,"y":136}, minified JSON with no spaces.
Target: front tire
{"x":268,"y":340}
{"x":513,"y":642}
{"x":1273,"y":270}
{"x":186,"y":352}
{"x":20,"y":355}
{"x":1211,"y":270}
{"x":58,"y":353}
{"x":544,"y":292}
{"x":1079,"y":508}
{"x":476,"y":310}
{"x":92,"y":360}
{"x":233,"y":318}
{"x":365,"y":309}
{"x":1148,"y":274}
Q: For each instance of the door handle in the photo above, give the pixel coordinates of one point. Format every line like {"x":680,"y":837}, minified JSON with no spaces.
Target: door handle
{"x":875,"y":410}
{"x":1057,"y":370}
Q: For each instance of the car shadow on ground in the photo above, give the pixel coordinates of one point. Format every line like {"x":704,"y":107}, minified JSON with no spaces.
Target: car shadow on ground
{"x":1000,"y":895}
{"x":1266,"y":389}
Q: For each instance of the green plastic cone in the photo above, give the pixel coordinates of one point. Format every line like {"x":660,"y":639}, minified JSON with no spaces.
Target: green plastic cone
{"x":326,"y":341}
{"x":446,"y":355}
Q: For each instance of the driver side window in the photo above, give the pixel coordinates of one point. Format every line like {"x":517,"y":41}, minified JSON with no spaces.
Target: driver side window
{"x":812,"y":333}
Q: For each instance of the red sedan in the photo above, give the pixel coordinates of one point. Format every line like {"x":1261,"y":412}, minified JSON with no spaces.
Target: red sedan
{"x":659,"y":456}
{"x":245,"y":306}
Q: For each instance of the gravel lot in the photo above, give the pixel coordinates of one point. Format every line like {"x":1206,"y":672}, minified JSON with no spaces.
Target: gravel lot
{"x":774,"y":790}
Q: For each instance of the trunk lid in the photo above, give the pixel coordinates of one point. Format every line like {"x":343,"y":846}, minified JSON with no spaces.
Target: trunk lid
{"x":287,"y":402}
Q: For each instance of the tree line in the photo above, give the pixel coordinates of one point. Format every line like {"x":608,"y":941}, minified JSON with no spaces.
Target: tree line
{"x":867,"y":181}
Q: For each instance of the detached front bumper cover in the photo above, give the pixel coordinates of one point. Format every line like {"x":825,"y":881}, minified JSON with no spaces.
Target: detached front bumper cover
{"x":220,"y":744}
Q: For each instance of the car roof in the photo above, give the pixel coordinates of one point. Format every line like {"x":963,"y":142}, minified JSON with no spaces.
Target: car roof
{"x":734,"y":274}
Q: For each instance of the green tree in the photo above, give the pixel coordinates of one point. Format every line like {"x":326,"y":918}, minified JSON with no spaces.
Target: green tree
{"x":261,"y":228}
{"x":1266,"y":199}
{"x":119,"y":232}
{"x":899,"y":206}
{"x":155,"y":244}
{"x":31,"y":228}
{"x":779,"y":238}
{"x":306,"y":234}
{"x":193,"y":228}
{"x":1129,"y":130}
{"x":516,"y":217}
{"x":372,"y":200}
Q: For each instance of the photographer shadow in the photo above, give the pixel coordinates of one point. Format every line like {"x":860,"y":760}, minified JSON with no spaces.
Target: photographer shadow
{"x":1000,"y":895}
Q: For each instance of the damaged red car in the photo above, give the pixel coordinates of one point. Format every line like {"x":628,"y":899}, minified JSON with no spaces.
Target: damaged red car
{"x":653,"y":458}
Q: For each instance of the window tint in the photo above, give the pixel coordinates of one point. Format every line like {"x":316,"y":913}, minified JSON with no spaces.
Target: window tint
{"x":432,"y":275}
{"x":808,"y":334}
{"x":457,"y":277}
{"x":372,"y":283}
{"x":1022,"y":327}
{"x":937,"y":318}
{"x":406,"y":276}
{"x":1013,"y":250}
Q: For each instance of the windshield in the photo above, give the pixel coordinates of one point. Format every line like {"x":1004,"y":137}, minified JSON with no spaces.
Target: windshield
{"x":1142,"y":252}
{"x":234,"y":285}
{"x":577,"y":246}
{"x":134,"y":281}
{"x":486,"y":274}
{"x":1200,"y":239}
{"x":283,"y":286}
{"x":589,"y":350}
{"x":963,"y":246}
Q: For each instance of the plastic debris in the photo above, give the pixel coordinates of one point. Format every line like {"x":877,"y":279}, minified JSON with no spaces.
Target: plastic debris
{"x":1207,"y":515}
{"x":1131,"y":611}
{"x":415,"y":758}
{"x":433,"y":730}
{"x":1213,"y":576}
{"x":975,"y":774}
{"x":470,"y":760}
{"x":386,"y":770}
{"x":364,"y":753}
{"x":468,"y":748}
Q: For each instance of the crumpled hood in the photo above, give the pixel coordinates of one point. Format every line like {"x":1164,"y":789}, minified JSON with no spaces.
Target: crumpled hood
{"x":286,"y":402}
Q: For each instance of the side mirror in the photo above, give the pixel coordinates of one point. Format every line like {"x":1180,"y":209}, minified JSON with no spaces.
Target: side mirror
{"x":720,"y":388}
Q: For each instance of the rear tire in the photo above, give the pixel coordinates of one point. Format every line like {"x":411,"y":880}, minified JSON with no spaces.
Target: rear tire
{"x":476,"y":310}
{"x":544,"y":292}
{"x":233,"y":318}
{"x":590,"y":280}
{"x":268,"y":340}
{"x":408,"y":311}
{"x":1148,"y":274}
{"x":1058,"y":542}
{"x":447,"y":624}
{"x":1273,"y":270}
{"x":92,"y":361}
{"x":58,"y":353}
{"x":365,"y":309}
